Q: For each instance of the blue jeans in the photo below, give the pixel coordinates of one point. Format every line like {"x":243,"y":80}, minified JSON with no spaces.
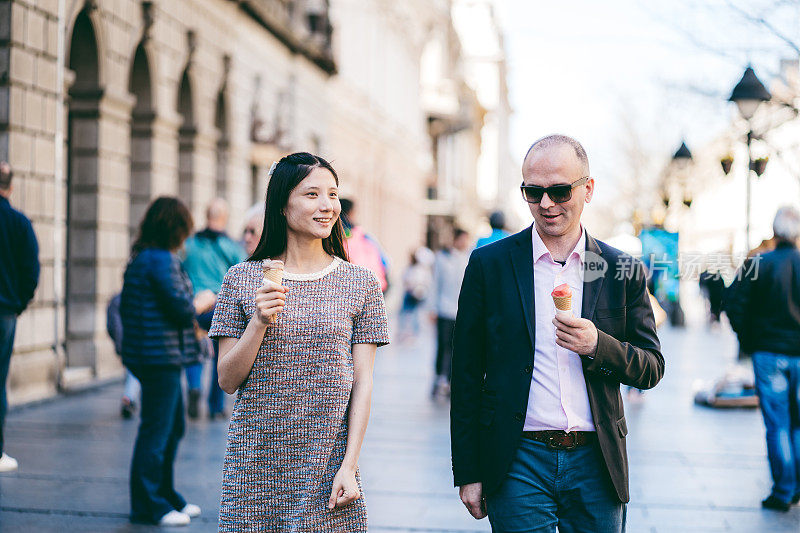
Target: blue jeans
{"x":194,"y":373}
{"x":194,"y":376}
{"x":778,"y":387}
{"x":546,"y":488}
{"x":8,"y":325}
{"x":162,"y":425}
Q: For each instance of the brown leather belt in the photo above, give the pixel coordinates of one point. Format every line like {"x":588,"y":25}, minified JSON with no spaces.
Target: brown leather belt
{"x":561,"y":440}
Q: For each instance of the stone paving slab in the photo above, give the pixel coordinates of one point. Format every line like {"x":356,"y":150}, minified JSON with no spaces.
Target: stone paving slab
{"x":692,"y":468}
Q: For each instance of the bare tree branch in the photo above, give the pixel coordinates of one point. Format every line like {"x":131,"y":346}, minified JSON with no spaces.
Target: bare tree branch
{"x":761,"y":21}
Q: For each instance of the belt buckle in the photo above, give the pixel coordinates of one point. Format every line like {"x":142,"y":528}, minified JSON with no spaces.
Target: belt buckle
{"x":552,"y":443}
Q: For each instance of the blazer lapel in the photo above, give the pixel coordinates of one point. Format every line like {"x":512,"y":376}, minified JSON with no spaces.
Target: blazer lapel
{"x":522,"y":261}
{"x":591,"y":289}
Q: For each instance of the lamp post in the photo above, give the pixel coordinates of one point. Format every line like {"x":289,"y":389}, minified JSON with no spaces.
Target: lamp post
{"x":677,"y":175}
{"x":748,"y":95}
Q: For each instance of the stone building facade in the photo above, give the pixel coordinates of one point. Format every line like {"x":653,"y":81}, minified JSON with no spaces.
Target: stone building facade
{"x":106,"y":104}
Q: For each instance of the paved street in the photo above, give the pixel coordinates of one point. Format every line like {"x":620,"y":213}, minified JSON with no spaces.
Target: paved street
{"x":692,"y":468}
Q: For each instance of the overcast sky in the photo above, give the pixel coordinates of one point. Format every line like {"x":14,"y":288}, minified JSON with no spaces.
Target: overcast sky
{"x":582,"y":67}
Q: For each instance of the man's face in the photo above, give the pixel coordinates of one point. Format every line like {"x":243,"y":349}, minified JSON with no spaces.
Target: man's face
{"x":557,"y":165}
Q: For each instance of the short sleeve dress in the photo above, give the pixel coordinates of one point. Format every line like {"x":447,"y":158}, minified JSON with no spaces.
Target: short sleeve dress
{"x":288,"y":430}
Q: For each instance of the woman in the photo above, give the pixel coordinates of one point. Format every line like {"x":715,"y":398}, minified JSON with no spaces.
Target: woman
{"x":158,"y":339}
{"x":304,"y":381}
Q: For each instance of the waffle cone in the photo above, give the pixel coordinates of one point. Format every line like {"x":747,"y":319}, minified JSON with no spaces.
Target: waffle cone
{"x":275,"y":275}
{"x":273,"y":271}
{"x":563,"y":303}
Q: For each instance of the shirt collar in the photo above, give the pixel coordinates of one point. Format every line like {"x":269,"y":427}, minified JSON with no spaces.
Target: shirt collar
{"x":540,"y":249}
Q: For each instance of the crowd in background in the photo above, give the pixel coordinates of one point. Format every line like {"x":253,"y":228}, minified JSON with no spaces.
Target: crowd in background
{"x":167,"y":355}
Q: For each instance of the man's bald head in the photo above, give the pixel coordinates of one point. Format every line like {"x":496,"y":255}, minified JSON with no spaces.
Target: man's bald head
{"x":217,"y":214}
{"x":5,"y":175}
{"x":551,"y":141}
{"x":5,"y":179}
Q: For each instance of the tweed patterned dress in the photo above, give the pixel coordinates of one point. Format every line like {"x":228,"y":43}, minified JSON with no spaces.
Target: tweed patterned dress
{"x":288,"y":429}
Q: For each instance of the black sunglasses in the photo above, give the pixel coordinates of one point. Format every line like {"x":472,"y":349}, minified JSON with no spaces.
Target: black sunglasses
{"x":557,"y":193}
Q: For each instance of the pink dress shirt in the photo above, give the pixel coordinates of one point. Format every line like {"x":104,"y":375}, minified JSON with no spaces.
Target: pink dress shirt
{"x":557,"y":398}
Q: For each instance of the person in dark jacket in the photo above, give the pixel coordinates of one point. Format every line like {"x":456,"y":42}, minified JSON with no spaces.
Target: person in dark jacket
{"x":713,"y":288}
{"x":538,"y":429}
{"x":158,"y":339}
{"x":763,"y":306}
{"x":19,"y":275}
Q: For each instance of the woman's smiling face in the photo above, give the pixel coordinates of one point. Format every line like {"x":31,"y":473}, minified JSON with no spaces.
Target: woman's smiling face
{"x":313,"y":206}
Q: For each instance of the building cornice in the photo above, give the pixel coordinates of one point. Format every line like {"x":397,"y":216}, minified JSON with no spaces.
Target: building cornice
{"x":277,"y":18}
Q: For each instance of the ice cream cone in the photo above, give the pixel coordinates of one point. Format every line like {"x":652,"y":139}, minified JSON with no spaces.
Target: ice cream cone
{"x":562,"y":298}
{"x":273,"y":271}
{"x":563,"y":303}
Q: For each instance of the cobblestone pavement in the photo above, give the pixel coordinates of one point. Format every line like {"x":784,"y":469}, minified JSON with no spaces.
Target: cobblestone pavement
{"x":692,"y":468}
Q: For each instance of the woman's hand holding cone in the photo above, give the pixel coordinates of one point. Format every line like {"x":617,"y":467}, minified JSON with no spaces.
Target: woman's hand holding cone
{"x":270,"y":299}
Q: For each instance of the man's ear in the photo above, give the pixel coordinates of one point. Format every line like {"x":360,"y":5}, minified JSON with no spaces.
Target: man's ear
{"x":589,"y":190}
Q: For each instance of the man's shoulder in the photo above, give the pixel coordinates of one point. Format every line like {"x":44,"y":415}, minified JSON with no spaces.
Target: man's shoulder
{"x":231,"y":244}
{"x":191,"y":243}
{"x":611,"y":254}
{"x":15,"y":214}
{"x":781,"y":253}
{"x":621,"y":266}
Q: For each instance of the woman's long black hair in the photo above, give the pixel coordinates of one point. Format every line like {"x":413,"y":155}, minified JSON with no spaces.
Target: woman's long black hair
{"x":289,"y":172}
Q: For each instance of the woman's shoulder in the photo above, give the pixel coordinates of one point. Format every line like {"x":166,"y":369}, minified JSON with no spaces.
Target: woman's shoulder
{"x":149,"y":258}
{"x":359,"y":274}
{"x":156,"y":255}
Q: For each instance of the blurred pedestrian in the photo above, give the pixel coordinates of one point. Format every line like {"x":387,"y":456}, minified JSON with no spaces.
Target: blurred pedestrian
{"x":158,"y":339}
{"x":208,"y":256}
{"x":763,"y":306}
{"x":253,"y":226}
{"x":497,"y":221}
{"x":301,"y":354}
{"x":19,"y":276}
{"x":417,"y":283}
{"x":713,"y":287}
{"x":362,"y":248}
{"x":448,"y":272}
{"x":132,"y":389}
{"x":537,"y":422}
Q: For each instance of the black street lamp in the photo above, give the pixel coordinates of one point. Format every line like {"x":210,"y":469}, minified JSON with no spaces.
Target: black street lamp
{"x":748,"y":95}
{"x":675,"y":177}
{"x":683,"y":155}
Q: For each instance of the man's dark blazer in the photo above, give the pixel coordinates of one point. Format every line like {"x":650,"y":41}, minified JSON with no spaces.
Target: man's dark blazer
{"x":493,"y":357}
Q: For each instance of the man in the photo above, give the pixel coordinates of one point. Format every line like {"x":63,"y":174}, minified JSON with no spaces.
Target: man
{"x":763,"y":306}
{"x":537,"y":423}
{"x":497,"y":221}
{"x":448,"y":271}
{"x":209,"y":255}
{"x":19,"y":275}
{"x":362,"y":248}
